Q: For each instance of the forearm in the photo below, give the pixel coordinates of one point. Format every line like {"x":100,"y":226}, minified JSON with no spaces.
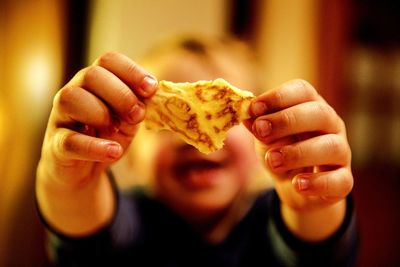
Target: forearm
{"x":314,"y":225}
{"x":74,"y":210}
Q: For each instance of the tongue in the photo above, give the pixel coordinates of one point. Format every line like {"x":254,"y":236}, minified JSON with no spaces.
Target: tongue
{"x":197,"y":166}
{"x":201,"y":178}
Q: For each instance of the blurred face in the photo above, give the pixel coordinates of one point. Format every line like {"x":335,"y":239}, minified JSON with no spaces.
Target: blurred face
{"x":191,"y":183}
{"x":195,"y":184}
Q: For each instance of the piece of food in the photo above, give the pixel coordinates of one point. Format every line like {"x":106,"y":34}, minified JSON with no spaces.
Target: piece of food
{"x":200,"y":113}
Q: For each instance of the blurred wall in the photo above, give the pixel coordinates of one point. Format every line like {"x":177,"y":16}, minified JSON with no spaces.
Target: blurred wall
{"x":371,"y":75}
{"x":131,"y":27}
{"x":31,"y":69}
{"x":287,"y":41}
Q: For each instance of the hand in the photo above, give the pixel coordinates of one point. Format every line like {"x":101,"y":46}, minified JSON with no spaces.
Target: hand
{"x":306,"y":146}
{"x":92,"y":122}
{"x":94,"y":118}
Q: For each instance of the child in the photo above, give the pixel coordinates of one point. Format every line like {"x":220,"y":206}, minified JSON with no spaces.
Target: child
{"x":200,"y":210}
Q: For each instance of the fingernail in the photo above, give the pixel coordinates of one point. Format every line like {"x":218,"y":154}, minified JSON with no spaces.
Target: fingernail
{"x":148,"y":85}
{"x":301,"y":183}
{"x":263,"y":128}
{"x":275,"y":159}
{"x":113,"y":150}
{"x":136,"y":114}
{"x":259,"y":108}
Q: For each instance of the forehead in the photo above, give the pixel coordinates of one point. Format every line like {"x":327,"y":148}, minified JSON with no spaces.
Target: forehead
{"x":185,"y":66}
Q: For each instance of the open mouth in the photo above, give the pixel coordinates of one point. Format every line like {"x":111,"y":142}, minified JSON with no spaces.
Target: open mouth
{"x":196,"y":170}
{"x":184,"y":167}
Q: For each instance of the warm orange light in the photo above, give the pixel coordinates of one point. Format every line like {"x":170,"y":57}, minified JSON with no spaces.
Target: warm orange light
{"x":39,"y":76}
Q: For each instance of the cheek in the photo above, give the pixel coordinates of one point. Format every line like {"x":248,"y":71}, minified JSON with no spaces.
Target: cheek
{"x":164,"y":156}
{"x":164,"y":182}
{"x":240,"y":143}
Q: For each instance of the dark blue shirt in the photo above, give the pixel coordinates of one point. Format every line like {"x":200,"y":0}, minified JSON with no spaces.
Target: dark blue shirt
{"x":144,"y":232}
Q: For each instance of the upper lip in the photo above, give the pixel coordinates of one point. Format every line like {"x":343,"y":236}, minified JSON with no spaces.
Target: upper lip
{"x":190,"y":158}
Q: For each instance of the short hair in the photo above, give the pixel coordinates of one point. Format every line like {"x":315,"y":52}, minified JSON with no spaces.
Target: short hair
{"x":207,"y":49}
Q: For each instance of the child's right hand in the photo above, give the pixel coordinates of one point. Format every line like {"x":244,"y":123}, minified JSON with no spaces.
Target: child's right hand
{"x":94,"y":118}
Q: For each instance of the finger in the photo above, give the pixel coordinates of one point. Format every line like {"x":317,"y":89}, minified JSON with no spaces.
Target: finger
{"x":288,"y":94}
{"x":74,"y":104}
{"x":329,"y":150}
{"x":123,"y":134}
{"x":70,"y":145}
{"x":314,"y":116}
{"x":138,"y":79}
{"x":332,"y":185}
{"x":111,"y":90}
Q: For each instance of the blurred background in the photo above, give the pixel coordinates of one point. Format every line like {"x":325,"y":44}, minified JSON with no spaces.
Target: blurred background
{"x":349,"y":49}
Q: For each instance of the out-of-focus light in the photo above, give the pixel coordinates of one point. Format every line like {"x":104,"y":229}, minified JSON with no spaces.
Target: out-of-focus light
{"x":39,"y":76}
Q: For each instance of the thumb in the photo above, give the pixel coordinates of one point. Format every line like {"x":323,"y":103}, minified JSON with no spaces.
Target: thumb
{"x":71,"y":145}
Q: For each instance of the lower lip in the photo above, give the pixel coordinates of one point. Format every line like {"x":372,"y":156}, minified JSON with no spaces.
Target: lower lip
{"x":201,"y":178}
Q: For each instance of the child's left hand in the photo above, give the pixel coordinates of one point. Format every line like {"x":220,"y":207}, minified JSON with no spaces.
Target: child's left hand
{"x":306,"y":145}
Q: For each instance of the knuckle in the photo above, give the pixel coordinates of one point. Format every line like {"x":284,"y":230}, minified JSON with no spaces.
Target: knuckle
{"x":307,"y":89}
{"x":341,"y":124}
{"x":97,"y":116}
{"x":288,"y":119}
{"x":63,"y":96}
{"x":336,"y":185}
{"x":348,"y":184}
{"x":135,"y":71}
{"x":89,"y":147}
{"x":64,"y":144}
{"x":338,"y":147}
{"x":325,"y":184}
{"x":334,"y":145}
{"x":104,"y":116}
{"x":328,"y":114}
{"x":129,"y":99}
{"x":293,"y":154}
{"x":105,"y":58}
{"x":90,"y":74}
{"x":345,"y":183}
{"x":67,"y":144}
{"x":276,"y":99}
{"x":324,"y":109}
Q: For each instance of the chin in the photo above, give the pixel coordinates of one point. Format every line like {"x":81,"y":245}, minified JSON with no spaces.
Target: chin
{"x":204,"y":205}
{"x":210,"y":203}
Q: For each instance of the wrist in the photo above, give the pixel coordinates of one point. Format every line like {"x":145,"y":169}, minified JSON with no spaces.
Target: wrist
{"x":315,"y":224}
{"x":75,"y":211}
